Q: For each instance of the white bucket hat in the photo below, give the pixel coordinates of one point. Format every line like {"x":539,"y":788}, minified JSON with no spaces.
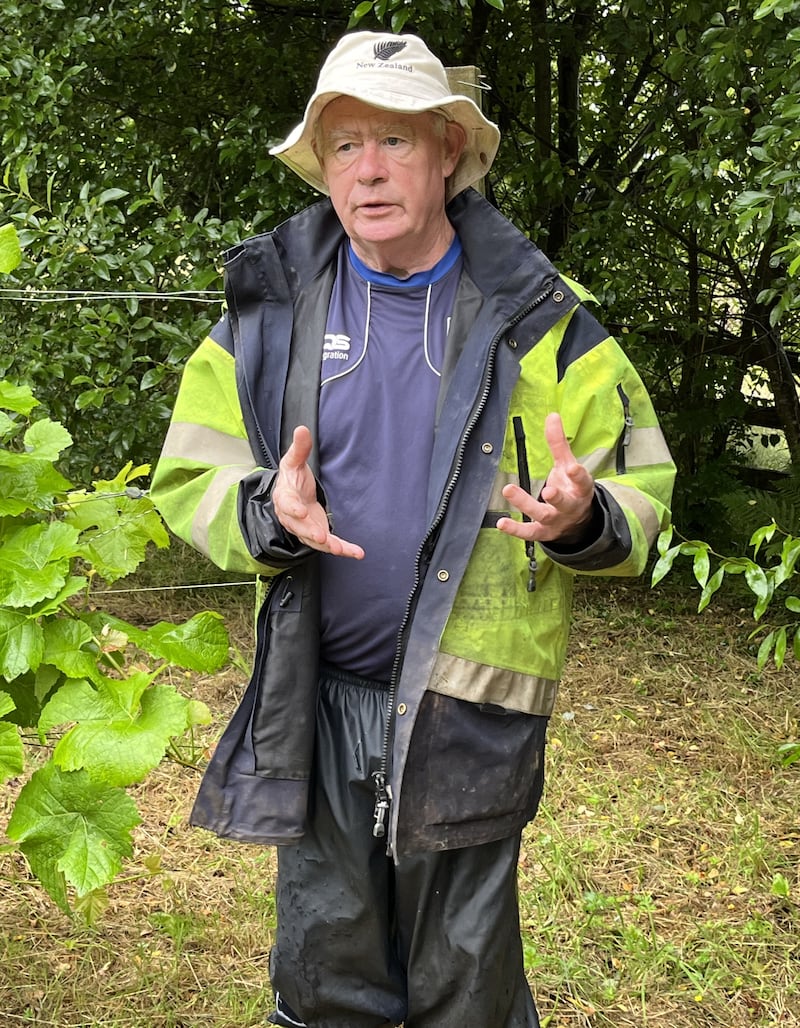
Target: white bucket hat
{"x":394,"y":73}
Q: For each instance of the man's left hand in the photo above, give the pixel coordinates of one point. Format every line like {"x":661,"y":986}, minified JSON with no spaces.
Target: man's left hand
{"x":564,"y":508}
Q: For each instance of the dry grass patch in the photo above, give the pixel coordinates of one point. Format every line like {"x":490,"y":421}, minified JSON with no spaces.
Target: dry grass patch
{"x":659,"y":884}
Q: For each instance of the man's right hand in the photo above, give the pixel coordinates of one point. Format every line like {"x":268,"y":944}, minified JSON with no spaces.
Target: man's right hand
{"x":294,"y":500}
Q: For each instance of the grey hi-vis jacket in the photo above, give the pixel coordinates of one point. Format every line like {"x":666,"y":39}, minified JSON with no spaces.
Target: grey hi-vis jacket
{"x":479,"y":656}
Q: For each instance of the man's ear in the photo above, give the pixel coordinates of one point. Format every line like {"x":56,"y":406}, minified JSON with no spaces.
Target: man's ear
{"x":455,"y":139}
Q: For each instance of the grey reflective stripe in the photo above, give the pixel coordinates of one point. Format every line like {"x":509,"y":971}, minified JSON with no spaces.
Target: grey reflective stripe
{"x":212,"y":500}
{"x":199,"y":444}
{"x":633,"y":501}
{"x":482,"y":683}
{"x":647,"y":446}
{"x":497,"y":501}
{"x":598,"y":461}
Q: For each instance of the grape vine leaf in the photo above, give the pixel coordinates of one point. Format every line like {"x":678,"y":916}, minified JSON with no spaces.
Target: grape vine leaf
{"x":35,"y":562}
{"x":12,"y":755}
{"x":27,"y":484}
{"x":21,"y":644}
{"x":18,"y":398}
{"x":199,"y":644}
{"x":46,"y":440}
{"x":123,"y":726}
{"x":116,"y":527}
{"x":63,"y":647}
{"x":73,"y":830}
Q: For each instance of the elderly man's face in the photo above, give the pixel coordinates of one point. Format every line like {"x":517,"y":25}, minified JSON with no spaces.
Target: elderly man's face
{"x":386,"y":176}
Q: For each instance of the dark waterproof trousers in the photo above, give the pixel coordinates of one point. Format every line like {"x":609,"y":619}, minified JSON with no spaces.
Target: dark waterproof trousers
{"x":431,"y":942}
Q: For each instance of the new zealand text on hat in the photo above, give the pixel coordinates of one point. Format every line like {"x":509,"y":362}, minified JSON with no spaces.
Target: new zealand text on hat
{"x":394,"y":73}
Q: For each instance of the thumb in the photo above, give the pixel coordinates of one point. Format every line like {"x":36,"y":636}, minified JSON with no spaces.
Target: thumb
{"x":298,"y":453}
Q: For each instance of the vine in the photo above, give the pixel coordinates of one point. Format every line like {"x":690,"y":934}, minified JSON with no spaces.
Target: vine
{"x":87,"y":707}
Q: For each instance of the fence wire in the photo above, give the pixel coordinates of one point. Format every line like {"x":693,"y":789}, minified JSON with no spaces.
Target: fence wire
{"x":36,"y":295}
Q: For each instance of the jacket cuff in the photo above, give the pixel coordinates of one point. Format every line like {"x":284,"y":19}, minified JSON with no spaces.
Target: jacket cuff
{"x":264,"y":536}
{"x":607,"y":541}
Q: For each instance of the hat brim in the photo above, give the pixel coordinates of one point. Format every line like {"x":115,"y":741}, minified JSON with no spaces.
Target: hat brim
{"x":482,"y":135}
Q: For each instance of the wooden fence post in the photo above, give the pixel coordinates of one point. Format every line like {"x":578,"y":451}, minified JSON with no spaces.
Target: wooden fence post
{"x":466,"y":80}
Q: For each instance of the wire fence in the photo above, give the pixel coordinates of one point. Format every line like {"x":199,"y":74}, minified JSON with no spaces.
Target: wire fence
{"x":36,"y":295}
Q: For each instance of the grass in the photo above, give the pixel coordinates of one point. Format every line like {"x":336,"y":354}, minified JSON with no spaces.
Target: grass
{"x":659,"y":884}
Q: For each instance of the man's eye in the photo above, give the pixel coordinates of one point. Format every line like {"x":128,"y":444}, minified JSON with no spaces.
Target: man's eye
{"x":393,"y":140}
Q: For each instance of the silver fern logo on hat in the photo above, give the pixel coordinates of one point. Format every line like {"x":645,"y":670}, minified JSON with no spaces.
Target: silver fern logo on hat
{"x":387,"y":49}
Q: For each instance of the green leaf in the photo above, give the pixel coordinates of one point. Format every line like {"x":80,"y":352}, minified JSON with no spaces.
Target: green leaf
{"x":21,"y":644}
{"x":199,"y":644}
{"x":115,"y":529}
{"x":789,"y":753}
{"x":64,"y":639}
{"x":780,"y":647}
{"x":780,"y":886}
{"x":118,"y":737}
{"x":73,"y":830}
{"x":52,"y":605}
{"x":751,"y":198}
{"x":399,"y":18}
{"x":776,"y":7}
{"x":759,"y":585}
{"x":12,"y":754}
{"x":701,"y":566}
{"x":761,"y":535}
{"x":28,"y":484}
{"x":711,"y":587}
{"x":112,"y":700}
{"x":793,"y":604}
{"x":111,"y":194}
{"x":198,"y":714}
{"x":764,"y":650}
{"x":10,"y":252}
{"x":35,"y":562}
{"x":18,"y":398}
{"x":47,"y":440}
{"x":360,"y":12}
{"x":7,"y":426}
{"x":92,"y":906}
{"x":664,"y":564}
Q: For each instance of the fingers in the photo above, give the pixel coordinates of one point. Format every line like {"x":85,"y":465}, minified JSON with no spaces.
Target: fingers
{"x":342,"y":548}
{"x":564,"y":504}
{"x":556,"y":440}
{"x":295,"y":502}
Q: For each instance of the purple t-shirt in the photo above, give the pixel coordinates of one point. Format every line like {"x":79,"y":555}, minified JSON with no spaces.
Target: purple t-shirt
{"x":381,"y":368}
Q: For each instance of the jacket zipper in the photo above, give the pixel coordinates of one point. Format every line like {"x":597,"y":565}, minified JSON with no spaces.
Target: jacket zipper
{"x":383,"y":792}
{"x":625,"y":435}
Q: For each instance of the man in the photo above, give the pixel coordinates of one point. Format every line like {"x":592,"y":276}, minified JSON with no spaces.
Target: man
{"x":413,"y":428}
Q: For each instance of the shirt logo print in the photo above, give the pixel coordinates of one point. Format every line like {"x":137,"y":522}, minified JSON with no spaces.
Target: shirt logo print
{"x":336,"y":347}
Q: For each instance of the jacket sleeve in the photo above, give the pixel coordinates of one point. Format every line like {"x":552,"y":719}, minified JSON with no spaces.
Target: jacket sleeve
{"x":207,"y":484}
{"x":613,"y":430}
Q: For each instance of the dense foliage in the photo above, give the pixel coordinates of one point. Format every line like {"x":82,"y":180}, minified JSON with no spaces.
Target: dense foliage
{"x":87,"y":707}
{"x":652,"y":151}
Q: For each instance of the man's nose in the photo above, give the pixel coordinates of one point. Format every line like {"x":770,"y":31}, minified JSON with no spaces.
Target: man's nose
{"x":371,"y":165}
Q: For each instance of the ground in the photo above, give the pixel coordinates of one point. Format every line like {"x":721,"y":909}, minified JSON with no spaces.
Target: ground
{"x":659,"y":884}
